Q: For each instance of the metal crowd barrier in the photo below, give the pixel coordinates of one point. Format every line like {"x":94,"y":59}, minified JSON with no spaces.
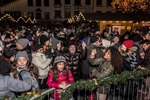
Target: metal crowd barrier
{"x":128,"y":90}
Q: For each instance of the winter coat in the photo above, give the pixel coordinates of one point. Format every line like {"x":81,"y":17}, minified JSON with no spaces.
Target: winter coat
{"x":10,"y":85}
{"x":104,"y":69}
{"x":85,"y":64}
{"x":42,"y":63}
{"x":74,"y":61}
{"x":55,"y":84}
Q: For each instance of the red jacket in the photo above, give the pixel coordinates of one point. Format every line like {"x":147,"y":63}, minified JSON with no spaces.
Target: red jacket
{"x":55,"y":84}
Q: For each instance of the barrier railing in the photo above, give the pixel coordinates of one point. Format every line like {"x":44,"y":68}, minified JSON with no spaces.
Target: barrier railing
{"x":43,"y":94}
{"x":129,"y":85}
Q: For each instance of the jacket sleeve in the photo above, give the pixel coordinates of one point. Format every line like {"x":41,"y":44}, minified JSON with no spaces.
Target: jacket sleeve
{"x":70,"y":78}
{"x":41,"y":64}
{"x":50,"y":82}
{"x":104,"y":73}
{"x":17,"y":85}
{"x":95,"y":61}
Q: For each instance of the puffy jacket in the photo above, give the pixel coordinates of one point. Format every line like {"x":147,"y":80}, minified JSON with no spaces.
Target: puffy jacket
{"x":10,"y":85}
{"x":104,"y":69}
{"x":55,"y":84}
{"x":42,"y":63}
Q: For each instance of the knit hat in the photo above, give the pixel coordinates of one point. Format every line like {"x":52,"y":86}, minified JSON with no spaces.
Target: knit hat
{"x":43,"y":39}
{"x":128,"y":43}
{"x":22,"y":54}
{"x":37,"y":47}
{"x":59,"y":59}
{"x":23,"y":42}
{"x":93,"y":39}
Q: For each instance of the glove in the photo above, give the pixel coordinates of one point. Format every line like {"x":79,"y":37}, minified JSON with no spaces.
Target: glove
{"x":20,"y":69}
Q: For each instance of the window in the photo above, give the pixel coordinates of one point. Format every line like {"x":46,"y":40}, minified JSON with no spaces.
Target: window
{"x":87,"y":2}
{"x":98,"y":2}
{"x":57,"y":14}
{"x":17,"y":14}
{"x":30,"y":2}
{"x":46,"y":3}
{"x":38,"y":15}
{"x":38,"y":2}
{"x":46,"y":15}
{"x":109,"y":2}
{"x":57,"y":2}
{"x":67,"y":14}
{"x":67,"y":1}
{"x":77,"y":2}
{"x":11,"y":13}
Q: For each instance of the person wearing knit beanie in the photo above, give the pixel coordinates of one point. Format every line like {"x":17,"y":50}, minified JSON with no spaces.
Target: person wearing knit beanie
{"x":22,"y":54}
{"x":43,"y":39}
{"x":128,"y":43}
{"x":22,"y":43}
{"x":59,"y":59}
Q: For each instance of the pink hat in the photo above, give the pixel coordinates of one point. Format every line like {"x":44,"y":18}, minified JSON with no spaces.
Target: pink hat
{"x":128,"y":43}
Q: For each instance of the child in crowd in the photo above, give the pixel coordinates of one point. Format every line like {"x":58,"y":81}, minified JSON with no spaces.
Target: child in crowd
{"x":59,"y":77}
{"x":22,"y":62}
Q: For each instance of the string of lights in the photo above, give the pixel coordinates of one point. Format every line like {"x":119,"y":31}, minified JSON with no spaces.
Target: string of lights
{"x":76,"y":18}
{"x":20,"y":18}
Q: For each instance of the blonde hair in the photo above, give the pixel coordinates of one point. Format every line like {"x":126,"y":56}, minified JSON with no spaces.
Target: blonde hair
{"x":128,"y":51}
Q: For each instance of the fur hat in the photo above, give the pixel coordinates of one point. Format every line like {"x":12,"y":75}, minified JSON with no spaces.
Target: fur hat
{"x":43,"y":39}
{"x":22,"y":54}
{"x":59,"y":59}
{"x":128,"y":43}
{"x":23,"y":42}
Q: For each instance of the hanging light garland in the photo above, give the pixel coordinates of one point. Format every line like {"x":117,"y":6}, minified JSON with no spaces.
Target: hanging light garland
{"x":129,"y":6}
{"x":76,"y":18}
{"x":20,"y":18}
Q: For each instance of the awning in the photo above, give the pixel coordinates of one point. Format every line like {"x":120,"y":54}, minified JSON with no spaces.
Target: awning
{"x":117,"y":16}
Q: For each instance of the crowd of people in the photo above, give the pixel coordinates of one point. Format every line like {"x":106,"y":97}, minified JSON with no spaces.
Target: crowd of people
{"x":34,"y":58}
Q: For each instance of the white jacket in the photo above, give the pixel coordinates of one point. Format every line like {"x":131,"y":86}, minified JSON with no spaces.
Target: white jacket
{"x":42,"y":63}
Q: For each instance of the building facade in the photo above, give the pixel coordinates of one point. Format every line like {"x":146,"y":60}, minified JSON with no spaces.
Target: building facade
{"x":55,"y":9}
